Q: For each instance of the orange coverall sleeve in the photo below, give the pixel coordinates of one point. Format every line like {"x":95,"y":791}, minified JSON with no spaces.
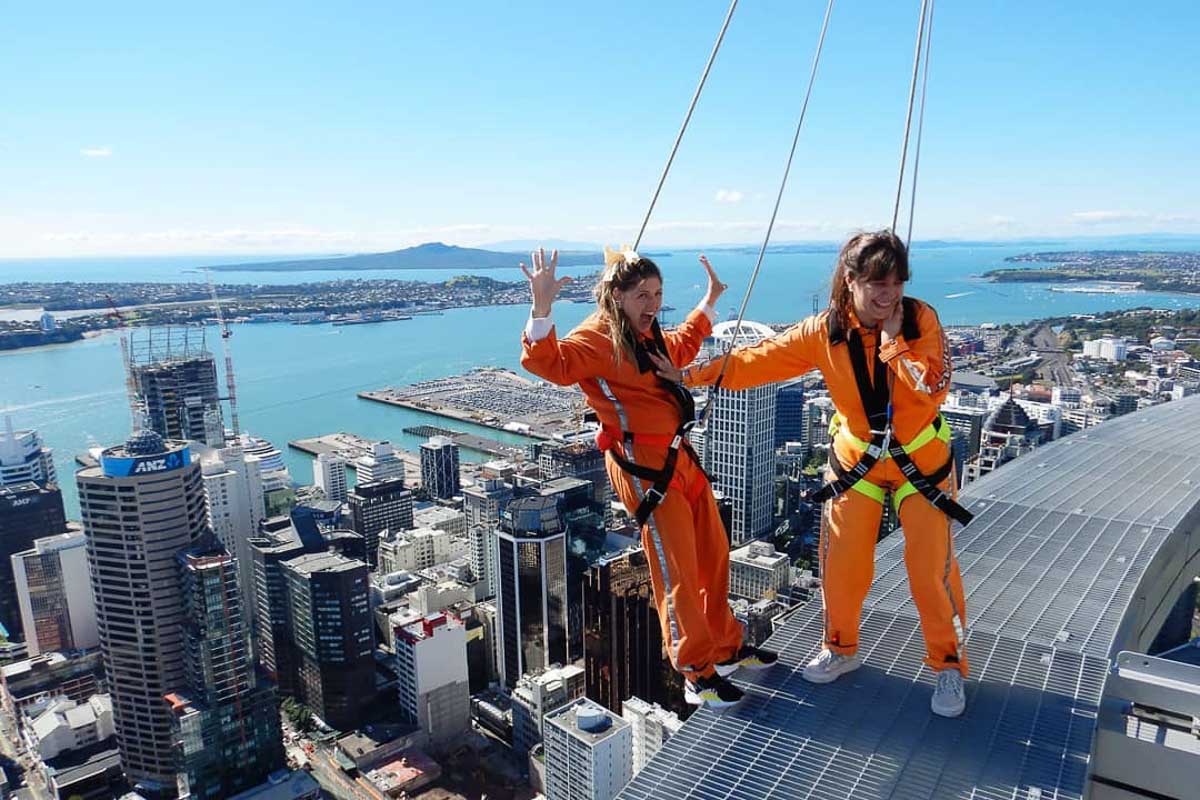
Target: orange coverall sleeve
{"x":923,"y":365}
{"x":582,"y":354}
{"x":684,"y":342}
{"x":789,"y":355}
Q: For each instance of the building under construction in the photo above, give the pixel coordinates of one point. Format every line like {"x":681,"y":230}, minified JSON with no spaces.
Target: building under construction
{"x":175,"y":377}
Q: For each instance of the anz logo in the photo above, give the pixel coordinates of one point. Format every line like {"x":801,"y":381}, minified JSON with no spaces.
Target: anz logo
{"x":170,"y":461}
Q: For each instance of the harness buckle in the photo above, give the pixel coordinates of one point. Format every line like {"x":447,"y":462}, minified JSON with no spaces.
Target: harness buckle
{"x":655,"y":496}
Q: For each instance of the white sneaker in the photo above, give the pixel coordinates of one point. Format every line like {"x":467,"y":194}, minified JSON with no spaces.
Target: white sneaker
{"x":949,"y":699}
{"x":828,"y":666}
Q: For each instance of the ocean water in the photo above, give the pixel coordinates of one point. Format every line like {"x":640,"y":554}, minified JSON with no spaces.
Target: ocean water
{"x":301,"y":381}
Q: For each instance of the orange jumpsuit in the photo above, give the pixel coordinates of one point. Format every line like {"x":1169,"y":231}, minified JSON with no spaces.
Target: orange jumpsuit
{"x":850,"y":521}
{"x":684,"y":538}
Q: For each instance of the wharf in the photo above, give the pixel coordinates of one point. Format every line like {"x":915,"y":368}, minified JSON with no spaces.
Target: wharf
{"x":351,"y":446}
{"x":469,"y":441}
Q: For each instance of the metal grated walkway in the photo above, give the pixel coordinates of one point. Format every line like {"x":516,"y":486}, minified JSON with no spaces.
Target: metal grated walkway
{"x":1074,"y":555}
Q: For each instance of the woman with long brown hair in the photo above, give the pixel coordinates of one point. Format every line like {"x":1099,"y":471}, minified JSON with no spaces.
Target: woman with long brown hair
{"x":644,"y":422}
{"x":887,"y":368}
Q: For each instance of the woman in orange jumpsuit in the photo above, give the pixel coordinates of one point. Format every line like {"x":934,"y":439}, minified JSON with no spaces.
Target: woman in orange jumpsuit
{"x":887,"y":368}
{"x":653,"y":470}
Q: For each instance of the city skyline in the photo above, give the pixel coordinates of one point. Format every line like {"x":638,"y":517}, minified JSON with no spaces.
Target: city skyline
{"x":395,"y":126}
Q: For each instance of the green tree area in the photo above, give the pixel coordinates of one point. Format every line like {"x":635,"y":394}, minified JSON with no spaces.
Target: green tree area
{"x":1140,"y":324}
{"x":298,"y":714}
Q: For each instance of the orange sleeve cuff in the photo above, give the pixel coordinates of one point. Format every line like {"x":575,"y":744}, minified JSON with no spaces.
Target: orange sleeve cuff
{"x":893,"y":348}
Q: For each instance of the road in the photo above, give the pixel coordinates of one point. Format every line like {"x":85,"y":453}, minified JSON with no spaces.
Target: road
{"x":1055,"y":365}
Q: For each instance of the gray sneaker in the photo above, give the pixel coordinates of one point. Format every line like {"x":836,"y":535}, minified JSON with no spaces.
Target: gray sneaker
{"x":828,"y":666}
{"x":949,"y":698}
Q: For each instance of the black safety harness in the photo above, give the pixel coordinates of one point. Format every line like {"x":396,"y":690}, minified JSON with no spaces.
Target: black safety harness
{"x":875,"y":394}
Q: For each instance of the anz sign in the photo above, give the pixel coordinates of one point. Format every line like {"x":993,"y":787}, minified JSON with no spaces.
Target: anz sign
{"x":115,"y":467}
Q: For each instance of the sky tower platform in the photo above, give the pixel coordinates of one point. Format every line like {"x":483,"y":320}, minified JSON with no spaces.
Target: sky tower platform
{"x":1078,"y":552}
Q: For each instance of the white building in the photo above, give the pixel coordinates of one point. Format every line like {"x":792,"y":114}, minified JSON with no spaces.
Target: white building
{"x":589,"y":752}
{"x":380,"y":464}
{"x":1066,"y":396}
{"x":1109,"y":348}
{"x":758,"y":572}
{"x":537,"y":695}
{"x":54,"y":592}
{"x":234,"y":493}
{"x":66,"y":725}
{"x":652,"y":726}
{"x":441,"y":518}
{"x":23,"y":457}
{"x":434,"y":686}
{"x":329,"y":475}
{"x":739,"y":449}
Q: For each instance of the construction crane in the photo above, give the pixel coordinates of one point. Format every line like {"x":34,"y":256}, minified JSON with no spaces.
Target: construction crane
{"x":226,"y":334}
{"x":137,"y":416}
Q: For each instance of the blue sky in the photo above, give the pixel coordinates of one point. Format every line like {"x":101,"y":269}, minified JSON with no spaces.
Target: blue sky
{"x":293,"y":127}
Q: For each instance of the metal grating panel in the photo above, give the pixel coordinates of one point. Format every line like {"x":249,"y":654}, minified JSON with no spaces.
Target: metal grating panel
{"x":1062,"y":542}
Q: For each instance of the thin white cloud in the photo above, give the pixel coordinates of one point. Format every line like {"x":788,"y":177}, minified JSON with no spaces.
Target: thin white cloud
{"x":1001,"y":220}
{"x":96,"y":152}
{"x":729,"y":196}
{"x":1107,"y":217}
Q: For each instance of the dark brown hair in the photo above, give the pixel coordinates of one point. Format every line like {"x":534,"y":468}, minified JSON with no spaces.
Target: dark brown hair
{"x":621,"y":275}
{"x":873,"y":256}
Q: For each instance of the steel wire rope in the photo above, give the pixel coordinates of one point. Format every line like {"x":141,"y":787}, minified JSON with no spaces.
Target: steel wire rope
{"x":662,"y":179}
{"x":912,"y":201}
{"x":912,"y":92}
{"x":812,"y":77}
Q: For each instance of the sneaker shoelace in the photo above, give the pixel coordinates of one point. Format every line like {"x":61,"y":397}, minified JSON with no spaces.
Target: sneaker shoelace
{"x":948,"y":684}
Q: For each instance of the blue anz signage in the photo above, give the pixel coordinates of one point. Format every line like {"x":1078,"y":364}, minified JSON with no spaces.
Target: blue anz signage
{"x":115,"y":467}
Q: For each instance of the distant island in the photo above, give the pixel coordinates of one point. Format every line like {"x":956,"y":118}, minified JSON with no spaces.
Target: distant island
{"x":1158,"y":271}
{"x":434,"y":255}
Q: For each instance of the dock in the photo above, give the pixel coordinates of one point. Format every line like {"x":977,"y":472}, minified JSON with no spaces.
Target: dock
{"x":469,"y":441}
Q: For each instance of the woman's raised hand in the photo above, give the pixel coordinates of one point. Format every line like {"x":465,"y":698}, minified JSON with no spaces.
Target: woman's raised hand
{"x":543,"y":285}
{"x":715,"y":287}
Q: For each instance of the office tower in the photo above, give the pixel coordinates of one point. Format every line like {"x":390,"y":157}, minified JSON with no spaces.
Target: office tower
{"x":537,"y":695}
{"x":329,"y":474}
{"x":439,"y":467}
{"x":818,"y":413}
{"x":531,"y":596}
{"x":967,"y":421}
{"x":330,"y":624}
{"x":24,"y":458}
{"x":434,"y":684}
{"x":278,"y":495}
{"x":483,"y":504}
{"x":589,"y":752}
{"x":581,"y":460}
{"x":740,"y":448}
{"x":27,"y":512}
{"x":378,"y":506}
{"x":1007,"y":433}
{"x":55,"y":594}
{"x":226,"y":720}
{"x":273,"y":645}
{"x":757,"y":572}
{"x":623,"y":642}
{"x":141,"y":506}
{"x":441,"y":518}
{"x":1124,"y":403}
{"x":233,"y":487}
{"x":789,"y":412}
{"x":651,"y":726}
{"x":380,"y":464}
{"x":176,"y":379}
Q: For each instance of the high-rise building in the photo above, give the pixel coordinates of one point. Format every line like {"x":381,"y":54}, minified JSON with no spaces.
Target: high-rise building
{"x":439,"y":467}
{"x":483,"y":505}
{"x":968,"y":421}
{"x":623,"y":643}
{"x":818,"y":413}
{"x":329,"y":474}
{"x":581,"y":460}
{"x":652,"y":726}
{"x":380,"y":464}
{"x":28,"y":512}
{"x":535,"y":696}
{"x":330,"y":624}
{"x":176,"y":379}
{"x":378,"y":506}
{"x":141,"y":506}
{"x":233,"y":488}
{"x":789,"y":412}
{"x":278,"y":495}
{"x":434,"y":684}
{"x":531,"y":595}
{"x":740,"y":449}
{"x":227,"y":730}
{"x":757,"y":572}
{"x":55,"y":595}
{"x":589,"y":752}
{"x":273,"y":645}
{"x":24,"y":458}
{"x":1007,"y":433}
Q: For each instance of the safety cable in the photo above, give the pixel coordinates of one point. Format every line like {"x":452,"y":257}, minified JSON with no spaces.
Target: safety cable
{"x":812,"y":77}
{"x":912,"y":91}
{"x":912,"y":202}
{"x":686,"y":119}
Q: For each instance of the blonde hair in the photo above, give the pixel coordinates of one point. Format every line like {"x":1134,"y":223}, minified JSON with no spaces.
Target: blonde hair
{"x":621,"y":274}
